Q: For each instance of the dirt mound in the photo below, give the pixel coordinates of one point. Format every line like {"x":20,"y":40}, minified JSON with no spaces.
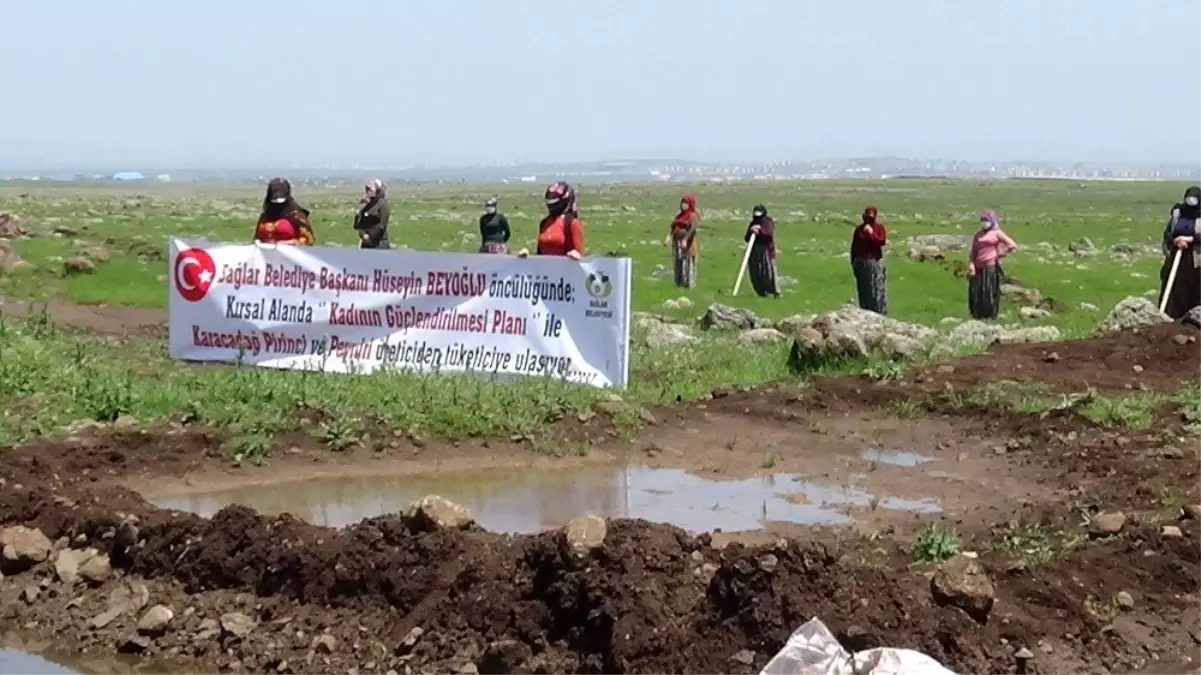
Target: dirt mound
{"x":650,"y":599}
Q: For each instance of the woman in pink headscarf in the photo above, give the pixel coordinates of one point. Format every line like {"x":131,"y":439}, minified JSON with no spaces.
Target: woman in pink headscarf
{"x":989,"y":245}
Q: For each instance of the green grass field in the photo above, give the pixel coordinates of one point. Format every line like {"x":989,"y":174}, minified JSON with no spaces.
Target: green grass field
{"x":49,"y":378}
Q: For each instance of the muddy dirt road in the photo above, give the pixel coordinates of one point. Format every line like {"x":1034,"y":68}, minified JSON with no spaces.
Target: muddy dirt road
{"x":1089,"y":565}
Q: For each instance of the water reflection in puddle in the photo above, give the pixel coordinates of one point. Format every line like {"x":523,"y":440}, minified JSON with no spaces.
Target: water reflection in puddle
{"x":896,"y":457}
{"x":529,"y":501}
{"x":13,"y":661}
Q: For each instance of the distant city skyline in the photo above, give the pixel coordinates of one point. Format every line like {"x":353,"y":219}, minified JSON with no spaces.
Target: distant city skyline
{"x":462,"y":82}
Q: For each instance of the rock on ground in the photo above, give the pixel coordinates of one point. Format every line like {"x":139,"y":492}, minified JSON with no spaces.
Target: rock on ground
{"x":760,"y":336}
{"x":664,"y":335}
{"x":23,"y":547}
{"x":854,"y":333}
{"x":724,"y":317}
{"x":1133,"y":312}
{"x":585,"y":533}
{"x":962,"y":582}
{"x":96,"y":569}
{"x":155,"y":620}
{"x":1106,"y":523}
{"x":68,"y":562}
{"x":1193,"y":317}
{"x":985,"y":334}
{"x":434,"y":512}
{"x":9,"y":260}
{"x":237,"y":624}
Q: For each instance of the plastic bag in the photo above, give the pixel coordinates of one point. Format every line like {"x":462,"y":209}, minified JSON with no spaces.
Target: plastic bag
{"x":813,"y":650}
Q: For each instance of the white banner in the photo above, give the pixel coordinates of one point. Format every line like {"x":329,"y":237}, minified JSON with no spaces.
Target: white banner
{"x":357,"y":311}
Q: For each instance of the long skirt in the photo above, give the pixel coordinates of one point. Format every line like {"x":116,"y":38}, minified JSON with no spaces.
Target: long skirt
{"x":984,"y":293}
{"x":381,"y":244}
{"x":494,"y":247}
{"x":871,"y":279}
{"x":762,"y":269}
{"x":683,"y":260}
{"x":1186,"y":287}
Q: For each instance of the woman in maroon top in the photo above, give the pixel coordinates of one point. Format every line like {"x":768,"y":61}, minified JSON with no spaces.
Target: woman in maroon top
{"x":867,"y":262}
{"x":762,"y":262}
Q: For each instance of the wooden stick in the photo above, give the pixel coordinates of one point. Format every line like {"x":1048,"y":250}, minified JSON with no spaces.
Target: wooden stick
{"x":1167,"y":289}
{"x":746,"y":258}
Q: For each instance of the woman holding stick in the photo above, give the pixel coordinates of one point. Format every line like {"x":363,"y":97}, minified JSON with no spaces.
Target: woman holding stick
{"x":761,"y":237}
{"x":1182,"y":250}
{"x":989,"y":246}
{"x":867,"y":262}
{"x":682,"y":239}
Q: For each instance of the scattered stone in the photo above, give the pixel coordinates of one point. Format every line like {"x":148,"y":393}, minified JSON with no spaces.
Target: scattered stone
{"x":23,"y":547}
{"x":760,"y":336}
{"x":30,"y":594}
{"x":987,"y":334}
{"x":78,"y":265}
{"x":664,"y":335}
{"x":746,"y":657}
{"x":105,"y":618}
{"x":1089,"y":307}
{"x":411,"y":638}
{"x":1133,"y":312}
{"x":325,"y":644}
{"x":1033,"y":313}
{"x":134,"y":645}
{"x":723,"y":317}
{"x":1192,"y":317}
{"x":9,"y":260}
{"x":155,"y":620}
{"x":1183,"y":339}
{"x":66,"y":565}
{"x":1106,"y":523}
{"x":1191,"y":512}
{"x":433,"y":512}
{"x":237,"y":624}
{"x":1083,"y":245}
{"x":677,"y":303}
{"x":10,"y":225}
{"x":129,"y":596}
{"x":1125,"y":600}
{"x":96,"y":569}
{"x":962,"y":582}
{"x":585,"y":533}
{"x":1052,"y":357}
{"x":1170,"y":532}
{"x":1024,"y":654}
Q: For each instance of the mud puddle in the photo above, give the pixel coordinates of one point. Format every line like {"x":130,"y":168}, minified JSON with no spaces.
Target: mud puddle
{"x":63,"y":662}
{"x":902,"y":458}
{"x":531,"y":501}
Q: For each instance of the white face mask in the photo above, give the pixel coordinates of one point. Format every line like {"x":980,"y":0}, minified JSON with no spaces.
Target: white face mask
{"x":489,"y":209}
{"x":683,"y":206}
{"x":759,"y":214}
{"x":1190,"y":200}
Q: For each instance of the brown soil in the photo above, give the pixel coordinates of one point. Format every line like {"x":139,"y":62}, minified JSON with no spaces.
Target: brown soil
{"x":101,"y":319}
{"x":653,"y":598}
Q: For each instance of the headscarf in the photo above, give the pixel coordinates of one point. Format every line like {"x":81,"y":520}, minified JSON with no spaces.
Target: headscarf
{"x":560,"y":199}
{"x":684,"y":217}
{"x":1193,"y":210}
{"x":279,"y":203}
{"x":490,"y":205}
{"x":373,"y":190}
{"x":989,"y":220}
{"x":870,"y":214}
{"x":758,"y":213}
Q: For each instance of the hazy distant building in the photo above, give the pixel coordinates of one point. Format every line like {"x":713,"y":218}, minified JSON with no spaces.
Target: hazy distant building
{"x":128,"y":175}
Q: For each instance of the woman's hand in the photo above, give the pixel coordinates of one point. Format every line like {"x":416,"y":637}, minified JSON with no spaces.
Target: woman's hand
{"x":1182,"y":242}
{"x":971,"y":270}
{"x":366,"y":238}
{"x":523,"y":253}
{"x":573,"y":254}
{"x":755,"y":229}
{"x":667,"y":240}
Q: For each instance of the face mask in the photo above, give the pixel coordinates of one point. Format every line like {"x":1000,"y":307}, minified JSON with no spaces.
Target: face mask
{"x":1190,"y":200}
{"x":683,"y":206}
{"x":489,"y":209}
{"x":984,"y":224}
{"x":759,"y":214}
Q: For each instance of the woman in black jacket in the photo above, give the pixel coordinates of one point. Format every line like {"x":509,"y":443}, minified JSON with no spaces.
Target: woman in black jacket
{"x":371,"y":220}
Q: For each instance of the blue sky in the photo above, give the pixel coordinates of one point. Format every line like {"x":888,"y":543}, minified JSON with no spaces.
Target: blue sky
{"x":237,"y":82}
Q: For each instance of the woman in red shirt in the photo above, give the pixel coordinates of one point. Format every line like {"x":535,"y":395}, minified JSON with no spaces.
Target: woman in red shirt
{"x":682,"y":238}
{"x":561,"y":232}
{"x":283,"y":221}
{"x":867,"y":262}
